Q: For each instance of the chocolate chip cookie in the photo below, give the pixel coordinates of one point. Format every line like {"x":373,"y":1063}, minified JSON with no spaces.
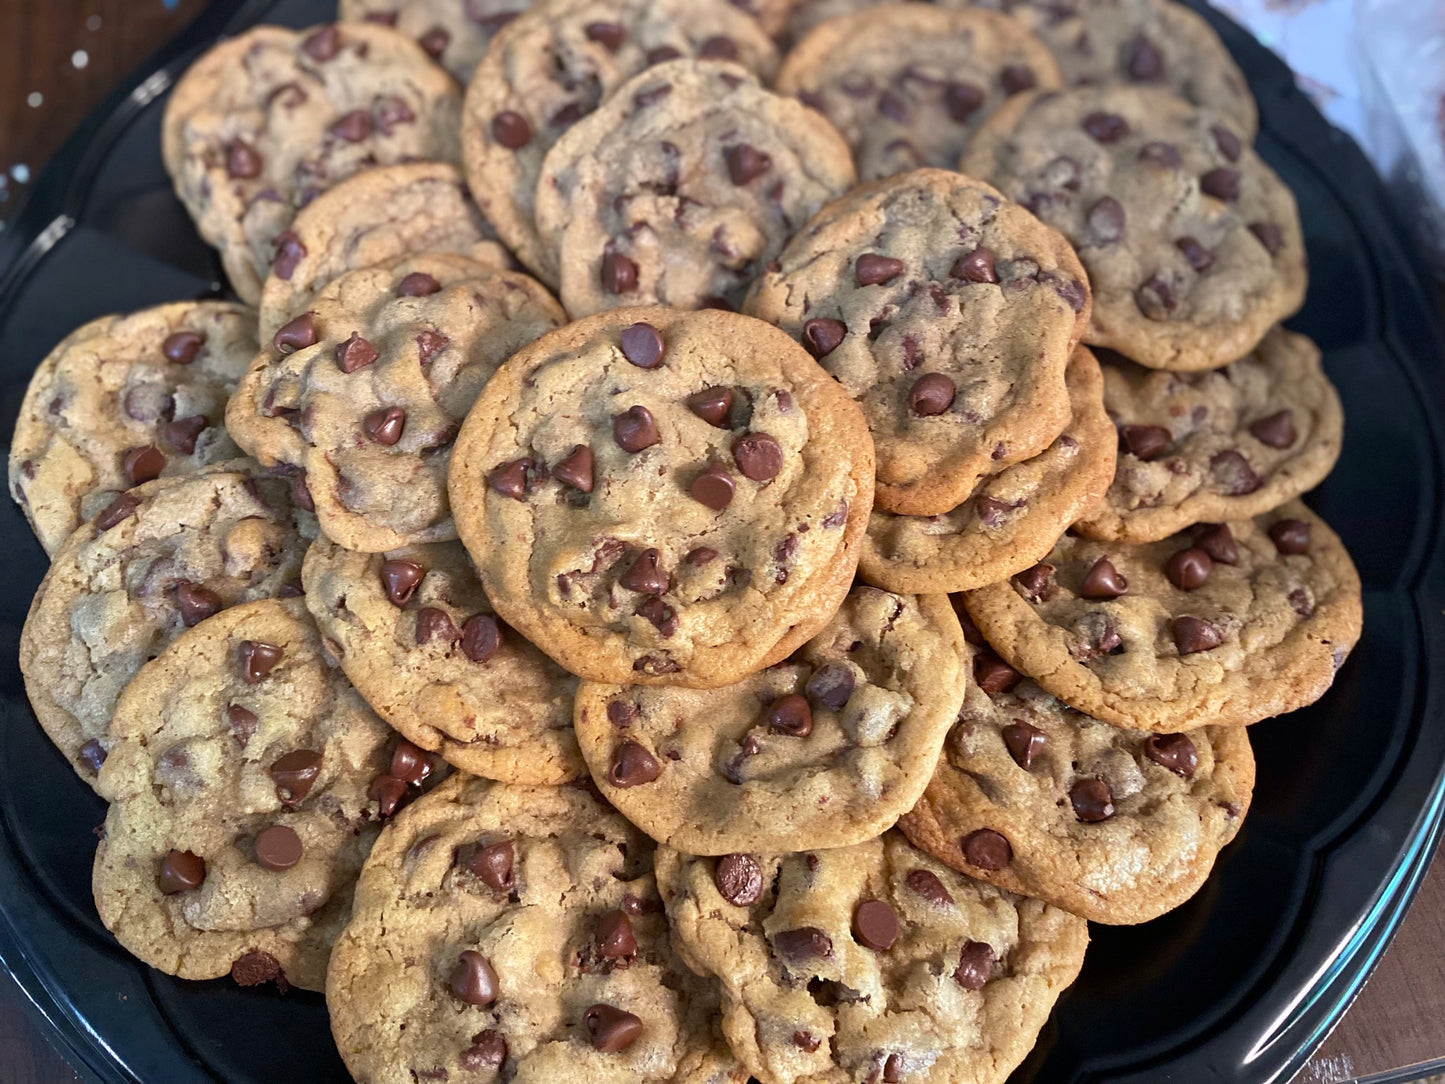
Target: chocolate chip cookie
{"x":454,"y":33}
{"x":1118,"y":826}
{"x":158,"y":559}
{"x":908,"y":84}
{"x":266,"y":121}
{"x":365,"y":391}
{"x":375,"y":217}
{"x":122,"y":400}
{"x":663,"y":497}
{"x":824,"y":750}
{"x":949,"y":314}
{"x":1217,"y":445}
{"x":682,"y":188}
{"x":418,"y":638}
{"x":1192,"y":243}
{"x":246,"y":778}
{"x":1227,"y":624}
{"x":515,"y":933}
{"x":555,"y":64}
{"x":1014,"y":517}
{"x":868,"y":963}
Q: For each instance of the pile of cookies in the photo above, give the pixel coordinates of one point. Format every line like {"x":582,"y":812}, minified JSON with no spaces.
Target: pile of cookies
{"x":647,"y":581}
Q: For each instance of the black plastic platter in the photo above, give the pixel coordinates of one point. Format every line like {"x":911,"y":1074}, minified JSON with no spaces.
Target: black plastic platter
{"x":1239,"y":985}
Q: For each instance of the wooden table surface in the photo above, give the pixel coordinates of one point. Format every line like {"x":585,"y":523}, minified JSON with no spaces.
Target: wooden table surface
{"x":59,"y":57}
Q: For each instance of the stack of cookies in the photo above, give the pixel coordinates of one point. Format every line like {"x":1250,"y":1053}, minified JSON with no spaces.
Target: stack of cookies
{"x":713,"y":552}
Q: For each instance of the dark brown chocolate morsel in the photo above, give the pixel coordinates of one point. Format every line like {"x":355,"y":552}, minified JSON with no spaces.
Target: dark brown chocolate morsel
{"x":739,"y":879}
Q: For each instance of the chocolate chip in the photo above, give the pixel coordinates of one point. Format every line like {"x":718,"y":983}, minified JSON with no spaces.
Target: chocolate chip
{"x":1232,"y":474}
{"x":1156,"y":298}
{"x":614,"y":936}
{"x":739,"y":879}
{"x":662,"y":616}
{"x":713,"y":487}
{"x":746,"y":163}
{"x":807,"y":1041}
{"x":872,"y":269}
{"x":621,"y":712}
{"x":1024,"y":743}
{"x":417,"y":284}
{"x":278,"y":848}
{"x":1220,"y":183}
{"x":962,"y":100}
{"x":646,"y":574}
{"x":932,"y":394}
{"x":1291,"y":536}
{"x":926,"y":883}
{"x":987,"y":849}
{"x":353,"y":126}
{"x":142,"y":464}
{"x":435,"y":41}
{"x":355,"y":353}
{"x":410,"y":764}
{"x":791,"y":715}
{"x":296,"y":334}
{"x":294,"y":773}
{"x":1143,"y":61}
{"x":1228,"y":143}
{"x":619,"y":274}
{"x":488,"y":1051}
{"x":181,"y":434}
{"x":976,"y":266}
{"x":494,"y":865}
{"x":180,"y":871}
{"x":1218,"y":541}
{"x":632,"y":766}
{"x":400,"y":579}
{"x":287,"y":257}
{"x":642,"y":345}
{"x":511,"y":130}
{"x":831,"y":685}
{"x":1106,"y":127}
{"x":1199,"y":257}
{"x":323,"y":44}
{"x":1164,"y":155}
{"x":823,"y":334}
{"x":389,"y":793}
{"x":472,"y":979}
{"x":1189,"y":568}
{"x":1146,"y":442}
{"x":718,"y":47}
{"x":391,"y":113}
{"x":1173,"y":751}
{"x":608,"y":35}
{"x":1269,"y":235}
{"x":610,"y":1029}
{"x":992,"y":674}
{"x":576,"y":470}
{"x":196,"y":602}
{"x":712,"y":405}
{"x":975,"y":965}
{"x":1191,"y":635}
{"x":875,"y":925}
{"x":384,"y":426}
{"x":1092,"y":800}
{"x":257,"y":660}
{"x":511,"y":479}
{"x":1036,"y":583}
{"x":1275,"y":430}
{"x":1103,"y":581}
{"x":1016,"y":78}
{"x":758,"y":456}
{"x":243,"y":161}
{"x":1106,"y":220}
{"x":92,"y":754}
{"x":803,"y":944}
{"x":435,"y":624}
{"x":894,"y":106}
{"x":635,"y":429}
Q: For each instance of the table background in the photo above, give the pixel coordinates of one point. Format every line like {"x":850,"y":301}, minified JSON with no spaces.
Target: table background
{"x":58,"y":58}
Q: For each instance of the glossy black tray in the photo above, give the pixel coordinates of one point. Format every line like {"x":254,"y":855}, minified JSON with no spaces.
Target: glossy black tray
{"x":1239,"y":985}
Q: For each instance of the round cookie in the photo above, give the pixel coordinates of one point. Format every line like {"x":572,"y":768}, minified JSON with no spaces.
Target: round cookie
{"x":1226,"y":625}
{"x":824,"y":750}
{"x":553,"y":65}
{"x":908,"y":84}
{"x":871,"y":962}
{"x":157,"y":560}
{"x":454,"y":33}
{"x":372,"y":218}
{"x":683,"y":188}
{"x":1192,"y":243}
{"x":662,"y":497}
{"x":264,"y":122}
{"x":1118,"y":826}
{"x":1014,"y":517}
{"x":365,"y":391}
{"x":418,"y":638}
{"x":122,"y":400}
{"x":245,"y":779}
{"x":514,"y":933}
{"x":1218,"y":445}
{"x":949,"y":314}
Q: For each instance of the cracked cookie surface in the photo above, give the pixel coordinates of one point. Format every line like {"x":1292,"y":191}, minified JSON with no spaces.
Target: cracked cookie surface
{"x":948,"y":313}
{"x":871,"y":962}
{"x":417,"y":637}
{"x":823,"y":750}
{"x":1227,"y":624}
{"x":1013,"y":517}
{"x":122,"y":400}
{"x":557,"y":63}
{"x":662,"y":497}
{"x":1192,"y":243}
{"x":514,"y":933}
{"x":364,"y":393}
{"x":265,"y":121}
{"x":157,"y":560}
{"x":682,"y":188}
{"x":454,"y":33}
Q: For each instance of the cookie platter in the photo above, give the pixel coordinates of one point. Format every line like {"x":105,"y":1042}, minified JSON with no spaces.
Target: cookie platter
{"x":1239,"y":983}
